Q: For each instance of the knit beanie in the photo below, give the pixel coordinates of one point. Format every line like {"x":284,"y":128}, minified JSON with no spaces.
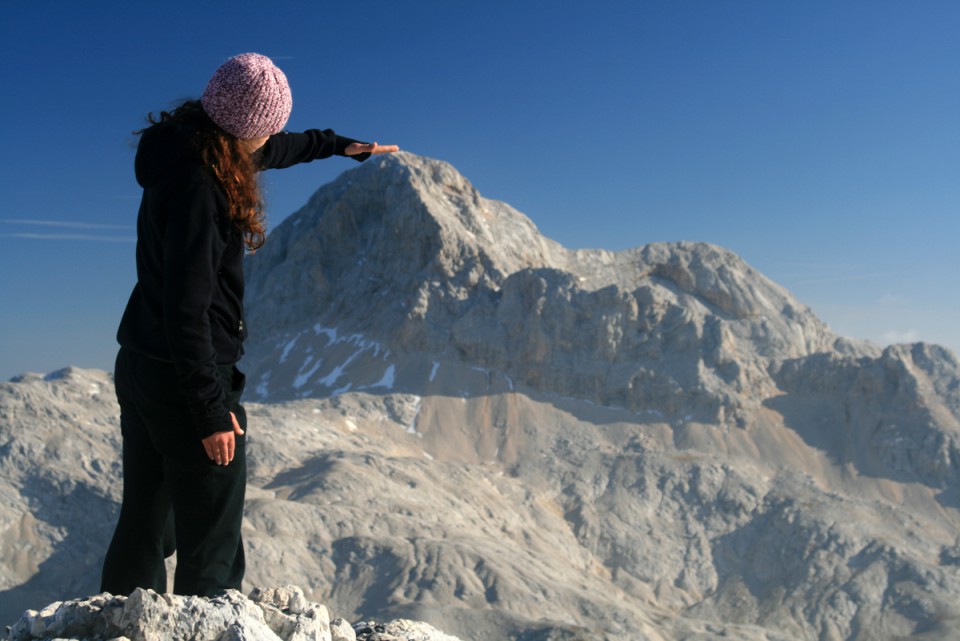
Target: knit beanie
{"x":248,"y":96}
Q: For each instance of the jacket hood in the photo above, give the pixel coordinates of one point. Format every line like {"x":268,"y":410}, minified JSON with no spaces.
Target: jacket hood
{"x":163,"y":146}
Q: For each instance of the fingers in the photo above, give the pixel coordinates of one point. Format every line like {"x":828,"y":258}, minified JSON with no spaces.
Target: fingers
{"x":372,"y":148}
{"x":236,"y":424}
{"x":376,"y":148}
{"x":225,"y":448}
{"x":220,"y":447}
{"x":217,"y":452}
{"x":384,"y":149}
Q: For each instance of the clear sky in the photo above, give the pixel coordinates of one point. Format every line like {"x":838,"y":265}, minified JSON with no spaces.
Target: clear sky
{"x":820,"y":140}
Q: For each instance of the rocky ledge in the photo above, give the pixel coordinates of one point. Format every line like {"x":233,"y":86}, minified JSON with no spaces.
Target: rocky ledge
{"x":265,"y":615}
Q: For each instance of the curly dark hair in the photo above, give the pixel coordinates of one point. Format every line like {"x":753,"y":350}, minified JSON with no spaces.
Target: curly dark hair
{"x":232,"y":164}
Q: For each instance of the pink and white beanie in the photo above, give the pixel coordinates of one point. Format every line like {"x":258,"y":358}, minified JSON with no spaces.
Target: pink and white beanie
{"x":248,"y":96}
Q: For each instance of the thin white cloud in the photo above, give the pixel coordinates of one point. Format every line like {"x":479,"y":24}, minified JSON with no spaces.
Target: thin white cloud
{"x":62,"y":223}
{"x":82,"y":237}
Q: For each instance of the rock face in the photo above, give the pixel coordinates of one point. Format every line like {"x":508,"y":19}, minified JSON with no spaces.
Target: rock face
{"x":59,"y":482}
{"x":405,"y":252}
{"x":456,"y":420}
{"x":280,"y":614}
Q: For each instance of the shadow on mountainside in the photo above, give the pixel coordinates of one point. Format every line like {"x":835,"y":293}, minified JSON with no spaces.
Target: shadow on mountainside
{"x":878,"y":419}
{"x":307,"y":478}
{"x":85,"y":519}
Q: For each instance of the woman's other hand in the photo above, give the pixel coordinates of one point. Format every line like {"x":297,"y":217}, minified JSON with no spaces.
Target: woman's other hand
{"x":221,"y":446}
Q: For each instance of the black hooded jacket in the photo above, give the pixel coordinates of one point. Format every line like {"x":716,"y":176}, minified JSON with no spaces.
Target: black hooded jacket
{"x":187,"y":305}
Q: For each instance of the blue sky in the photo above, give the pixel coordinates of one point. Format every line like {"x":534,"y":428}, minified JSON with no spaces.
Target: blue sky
{"x":818,"y":140}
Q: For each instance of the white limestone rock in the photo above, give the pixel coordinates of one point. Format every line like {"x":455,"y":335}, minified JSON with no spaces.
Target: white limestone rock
{"x":269,"y":614}
{"x":341,"y":630}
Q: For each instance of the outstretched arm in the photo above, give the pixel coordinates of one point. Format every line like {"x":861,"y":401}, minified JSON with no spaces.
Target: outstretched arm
{"x":286,"y":149}
{"x":356,"y":148}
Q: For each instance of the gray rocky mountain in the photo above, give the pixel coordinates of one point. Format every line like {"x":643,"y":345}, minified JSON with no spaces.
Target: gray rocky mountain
{"x":457,"y":420}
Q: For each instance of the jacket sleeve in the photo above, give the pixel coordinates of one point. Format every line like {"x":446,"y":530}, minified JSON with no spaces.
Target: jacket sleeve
{"x":286,"y":148}
{"x":193,"y":248}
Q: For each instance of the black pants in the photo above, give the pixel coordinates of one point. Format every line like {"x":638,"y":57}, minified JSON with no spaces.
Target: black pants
{"x":174,"y":497}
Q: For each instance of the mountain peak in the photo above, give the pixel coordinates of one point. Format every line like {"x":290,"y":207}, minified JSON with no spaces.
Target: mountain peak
{"x":406,"y":253}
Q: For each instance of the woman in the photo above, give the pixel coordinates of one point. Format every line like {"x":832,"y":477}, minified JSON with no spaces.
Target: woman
{"x":181,"y":335}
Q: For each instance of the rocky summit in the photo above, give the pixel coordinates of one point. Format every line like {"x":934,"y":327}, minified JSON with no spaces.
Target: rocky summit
{"x":279,"y":614}
{"x":456,"y":420}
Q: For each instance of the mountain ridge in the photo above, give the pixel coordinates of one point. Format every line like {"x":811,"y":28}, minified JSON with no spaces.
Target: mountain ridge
{"x":415,"y":230}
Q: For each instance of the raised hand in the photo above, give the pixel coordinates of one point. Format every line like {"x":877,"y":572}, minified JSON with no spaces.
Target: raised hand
{"x":373,"y":148}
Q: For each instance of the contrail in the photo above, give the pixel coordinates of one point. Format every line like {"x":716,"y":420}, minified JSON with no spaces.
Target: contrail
{"x":87,"y":237}
{"x":63,"y":223}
